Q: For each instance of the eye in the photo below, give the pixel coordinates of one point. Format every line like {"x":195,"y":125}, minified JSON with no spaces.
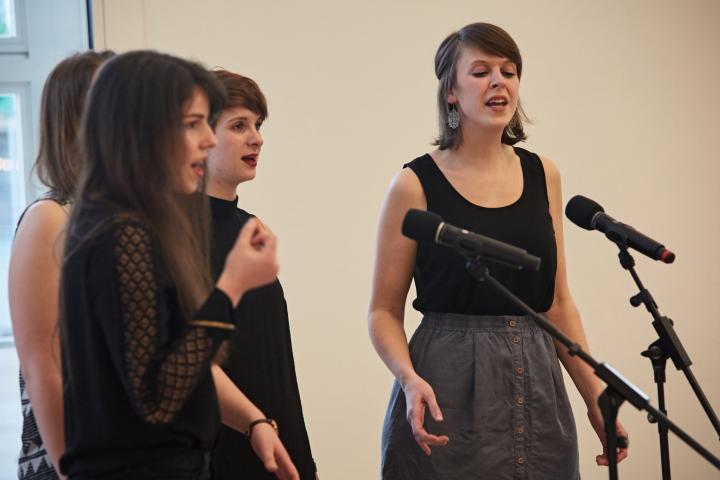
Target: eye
{"x":508,"y":74}
{"x":258,"y":125}
{"x":192,"y":124}
{"x":479,"y":74}
{"x":238,"y":126}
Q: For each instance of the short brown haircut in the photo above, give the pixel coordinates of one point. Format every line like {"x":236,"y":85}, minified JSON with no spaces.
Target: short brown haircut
{"x":492,"y":40}
{"x":242,"y":92}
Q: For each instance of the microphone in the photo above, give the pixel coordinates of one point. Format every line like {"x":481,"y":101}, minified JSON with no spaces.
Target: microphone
{"x":428,"y":227}
{"x":589,"y":215}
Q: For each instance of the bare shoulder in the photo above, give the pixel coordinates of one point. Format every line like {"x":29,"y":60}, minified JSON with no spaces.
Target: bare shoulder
{"x":552,"y":173}
{"x":405,"y":188}
{"x":45,"y":217}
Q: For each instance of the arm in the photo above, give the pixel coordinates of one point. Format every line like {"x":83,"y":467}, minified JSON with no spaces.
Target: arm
{"x":237,"y":411}
{"x":394,"y":263}
{"x":33,"y":288}
{"x":159,"y":377}
{"x":564,"y":314}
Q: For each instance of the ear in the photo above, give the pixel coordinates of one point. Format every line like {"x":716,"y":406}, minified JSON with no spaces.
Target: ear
{"x":451,"y":97}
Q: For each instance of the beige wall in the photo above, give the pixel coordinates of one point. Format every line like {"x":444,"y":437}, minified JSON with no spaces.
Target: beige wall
{"x":624,"y":98}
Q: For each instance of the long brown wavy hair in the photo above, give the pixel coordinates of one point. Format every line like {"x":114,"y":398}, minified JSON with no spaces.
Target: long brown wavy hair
{"x":131,"y":136}
{"x":58,"y":163}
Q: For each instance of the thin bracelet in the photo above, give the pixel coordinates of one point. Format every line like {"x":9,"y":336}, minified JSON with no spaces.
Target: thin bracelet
{"x":254,"y":423}
{"x":211,"y":324}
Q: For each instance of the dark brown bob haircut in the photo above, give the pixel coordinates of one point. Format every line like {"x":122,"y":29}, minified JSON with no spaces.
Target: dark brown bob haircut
{"x":242,"y":92}
{"x":492,"y":40}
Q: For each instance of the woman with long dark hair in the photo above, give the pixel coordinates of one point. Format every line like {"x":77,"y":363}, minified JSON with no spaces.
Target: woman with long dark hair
{"x":141,"y":319}
{"x":487,"y":375}
{"x":34,"y":273}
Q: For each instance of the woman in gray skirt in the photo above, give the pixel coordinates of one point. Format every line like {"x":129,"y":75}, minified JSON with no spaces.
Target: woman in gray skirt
{"x":488,"y":376}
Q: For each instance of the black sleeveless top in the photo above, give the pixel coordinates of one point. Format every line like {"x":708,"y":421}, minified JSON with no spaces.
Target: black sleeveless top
{"x":441,"y":280}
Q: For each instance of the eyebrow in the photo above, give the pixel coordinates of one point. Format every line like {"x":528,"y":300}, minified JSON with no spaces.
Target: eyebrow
{"x":485,"y":62}
{"x":243,"y":117}
{"x":199,"y":116}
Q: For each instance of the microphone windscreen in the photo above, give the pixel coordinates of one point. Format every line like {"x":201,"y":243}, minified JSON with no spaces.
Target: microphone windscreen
{"x":581,"y":210}
{"x":420,"y":225}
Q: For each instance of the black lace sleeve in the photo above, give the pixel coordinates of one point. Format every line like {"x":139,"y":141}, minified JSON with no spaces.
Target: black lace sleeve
{"x":161,"y":374}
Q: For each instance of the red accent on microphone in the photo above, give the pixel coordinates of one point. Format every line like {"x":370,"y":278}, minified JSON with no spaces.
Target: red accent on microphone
{"x":667,"y":256}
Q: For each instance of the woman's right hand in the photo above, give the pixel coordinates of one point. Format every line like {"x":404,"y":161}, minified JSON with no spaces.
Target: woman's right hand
{"x":419,"y":396}
{"x":251,"y":263}
{"x":271,"y":452}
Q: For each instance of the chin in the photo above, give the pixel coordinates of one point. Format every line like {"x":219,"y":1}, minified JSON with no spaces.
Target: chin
{"x":247,"y":176}
{"x":190,"y":186}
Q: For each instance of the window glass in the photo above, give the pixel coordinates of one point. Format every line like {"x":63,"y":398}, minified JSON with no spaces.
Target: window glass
{"x":7,"y":19}
{"x":12,"y":190}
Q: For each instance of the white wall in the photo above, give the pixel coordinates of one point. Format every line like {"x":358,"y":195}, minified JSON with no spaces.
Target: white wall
{"x":623,"y":96}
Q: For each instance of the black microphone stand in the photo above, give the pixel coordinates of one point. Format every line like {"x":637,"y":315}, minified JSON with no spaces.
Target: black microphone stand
{"x":618,"y":388}
{"x":668,"y":345}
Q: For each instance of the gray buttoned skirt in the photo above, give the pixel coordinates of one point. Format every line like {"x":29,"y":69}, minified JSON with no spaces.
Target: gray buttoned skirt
{"x":498,"y":382}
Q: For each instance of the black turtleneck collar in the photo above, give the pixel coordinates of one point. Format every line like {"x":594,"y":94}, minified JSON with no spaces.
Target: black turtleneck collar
{"x":222,"y":208}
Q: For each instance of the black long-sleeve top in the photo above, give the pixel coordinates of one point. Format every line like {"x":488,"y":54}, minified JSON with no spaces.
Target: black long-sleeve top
{"x":137,"y":383}
{"x":260,"y":362}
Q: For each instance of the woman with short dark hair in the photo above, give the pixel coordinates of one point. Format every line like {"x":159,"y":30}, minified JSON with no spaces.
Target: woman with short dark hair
{"x":260,"y":357}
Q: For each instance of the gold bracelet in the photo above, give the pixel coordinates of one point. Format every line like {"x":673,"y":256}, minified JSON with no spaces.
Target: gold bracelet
{"x":211,"y":324}
{"x":254,"y":423}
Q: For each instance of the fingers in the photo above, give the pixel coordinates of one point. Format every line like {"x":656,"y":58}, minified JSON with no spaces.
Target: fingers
{"x":603,"y":460}
{"x":254,"y":234}
{"x":249,"y":230}
{"x":434,"y":408}
{"x":621,"y":452}
{"x":419,"y":396}
{"x":425,"y":440}
{"x":265,"y":241}
{"x":269,"y":462}
{"x":416,"y":418}
{"x":286,"y":470}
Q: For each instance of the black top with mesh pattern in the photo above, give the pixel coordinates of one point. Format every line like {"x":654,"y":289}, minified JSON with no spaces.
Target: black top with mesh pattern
{"x":137,"y":380}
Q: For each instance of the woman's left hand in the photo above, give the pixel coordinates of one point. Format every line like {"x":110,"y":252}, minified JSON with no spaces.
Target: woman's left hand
{"x":598,"y":424}
{"x":268,"y":447}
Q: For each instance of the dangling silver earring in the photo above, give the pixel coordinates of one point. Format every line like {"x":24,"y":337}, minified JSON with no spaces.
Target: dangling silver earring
{"x":453,"y":117}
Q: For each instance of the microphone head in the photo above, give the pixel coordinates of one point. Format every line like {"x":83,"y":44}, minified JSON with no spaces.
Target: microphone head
{"x":581,"y":211}
{"x":667,"y":256}
{"x":420,"y":225}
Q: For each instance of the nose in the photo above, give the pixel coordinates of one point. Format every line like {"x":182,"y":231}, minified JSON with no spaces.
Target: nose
{"x":209,"y":139}
{"x":255,"y":139}
{"x":497,"y":80}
